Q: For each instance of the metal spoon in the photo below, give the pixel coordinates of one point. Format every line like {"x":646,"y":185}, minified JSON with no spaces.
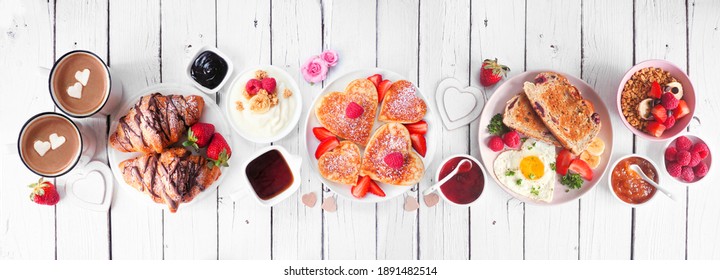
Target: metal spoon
{"x":638,"y":170}
{"x":464,"y":166}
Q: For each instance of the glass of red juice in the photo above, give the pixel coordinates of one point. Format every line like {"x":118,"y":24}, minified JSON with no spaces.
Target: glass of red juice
{"x":465,"y":188}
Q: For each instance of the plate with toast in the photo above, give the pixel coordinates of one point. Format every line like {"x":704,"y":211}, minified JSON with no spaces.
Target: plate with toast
{"x":369,"y":135}
{"x":545,"y":137}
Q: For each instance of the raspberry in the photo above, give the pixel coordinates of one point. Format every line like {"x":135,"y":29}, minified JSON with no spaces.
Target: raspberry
{"x":683,"y":158}
{"x":354,"y":110}
{"x":683,"y":143}
{"x":702,"y":149}
{"x":394,"y":160}
{"x":674,"y":169}
{"x":269,"y":84}
{"x":687,"y":174}
{"x":701,"y":170}
{"x":669,"y":122}
{"x":670,"y":153}
{"x":512,"y":139}
{"x":496,"y":143}
{"x":253,"y":86}
{"x":694,"y":159}
{"x":669,"y":101}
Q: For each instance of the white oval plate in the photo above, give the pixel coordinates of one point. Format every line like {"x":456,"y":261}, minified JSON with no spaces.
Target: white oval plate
{"x":311,"y":143}
{"x":211,"y":114}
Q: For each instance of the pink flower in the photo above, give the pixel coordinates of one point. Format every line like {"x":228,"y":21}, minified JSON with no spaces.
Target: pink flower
{"x":330,"y":56}
{"x":315,"y":70}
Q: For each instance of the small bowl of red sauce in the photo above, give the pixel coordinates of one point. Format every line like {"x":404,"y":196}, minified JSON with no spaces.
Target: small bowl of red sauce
{"x":465,"y":188}
{"x":627,"y":186}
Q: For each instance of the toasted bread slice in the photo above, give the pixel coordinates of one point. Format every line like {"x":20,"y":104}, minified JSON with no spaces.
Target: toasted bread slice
{"x":566,"y":114}
{"x":389,"y":138}
{"x":520,"y":115}
{"x":331,"y":111}
{"x":401,"y":104}
{"x":342,"y":164}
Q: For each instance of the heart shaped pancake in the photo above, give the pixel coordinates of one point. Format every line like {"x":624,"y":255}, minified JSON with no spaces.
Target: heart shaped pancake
{"x":350,"y":114}
{"x":401,"y":104}
{"x":341,"y":164}
{"x":392,"y":139}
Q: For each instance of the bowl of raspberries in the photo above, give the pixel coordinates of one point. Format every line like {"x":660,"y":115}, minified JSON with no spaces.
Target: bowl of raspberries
{"x":687,"y":158}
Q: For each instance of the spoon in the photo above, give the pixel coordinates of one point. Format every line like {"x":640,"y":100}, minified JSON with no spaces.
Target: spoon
{"x":638,"y":170}
{"x":463,"y":166}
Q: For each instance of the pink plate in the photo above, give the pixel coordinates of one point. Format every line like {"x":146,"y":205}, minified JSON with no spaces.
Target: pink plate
{"x":496,"y":104}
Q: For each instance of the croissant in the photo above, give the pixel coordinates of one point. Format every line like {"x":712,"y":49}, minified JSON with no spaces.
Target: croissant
{"x":155,"y":122}
{"x":172,"y":177}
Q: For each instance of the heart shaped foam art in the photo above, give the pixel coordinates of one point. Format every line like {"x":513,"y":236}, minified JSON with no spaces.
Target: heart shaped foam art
{"x":75,"y":91}
{"x":388,"y":139}
{"x":402,"y":104}
{"x":457,"y":103}
{"x":83,"y":76}
{"x":331,"y":111}
{"x":56,"y":141}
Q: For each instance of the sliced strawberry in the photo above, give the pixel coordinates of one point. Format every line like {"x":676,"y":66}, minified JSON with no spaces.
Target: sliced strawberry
{"x":322,"y":133}
{"x":681,"y":110}
{"x":418,"y":143}
{"x":659,"y":113}
{"x":655,"y":128}
{"x":420,"y":127}
{"x":326,"y":145}
{"x":361,"y":189}
{"x":375,"y":79}
{"x":581,"y":167}
{"x":655,"y":91}
{"x":562,"y":163}
{"x":382,"y":88}
{"x":375,"y":189}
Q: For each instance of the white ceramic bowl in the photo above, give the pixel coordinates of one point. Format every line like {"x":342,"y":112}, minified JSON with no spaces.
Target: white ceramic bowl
{"x":610,"y":172}
{"x":476,"y":162}
{"x":225,"y":79}
{"x":695,"y":139}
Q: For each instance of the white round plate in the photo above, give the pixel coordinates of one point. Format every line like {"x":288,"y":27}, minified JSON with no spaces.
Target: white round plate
{"x":496,"y":104}
{"x":211,"y":114}
{"x":311,"y":143}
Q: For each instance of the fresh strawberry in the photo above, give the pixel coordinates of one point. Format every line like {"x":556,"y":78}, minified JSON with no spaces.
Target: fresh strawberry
{"x":655,"y":128}
{"x":418,"y":143}
{"x":420,"y":127}
{"x":395,"y":160}
{"x":218,"y":151}
{"x":269,"y":84}
{"x":655,"y":91}
{"x":322,"y":133}
{"x":375,"y":79}
{"x":562,"y":163}
{"x":581,"y":167}
{"x":253,"y":86}
{"x":492,"y":72}
{"x":199,"y":135}
{"x":681,"y":110}
{"x":375,"y":189}
{"x":44,"y":192}
{"x":659,"y":113}
{"x":382,"y":88}
{"x":326,"y":145}
{"x":354,"y":110}
{"x":361,"y":188}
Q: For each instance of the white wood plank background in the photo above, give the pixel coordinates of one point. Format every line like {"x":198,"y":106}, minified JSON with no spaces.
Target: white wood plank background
{"x":150,"y":41}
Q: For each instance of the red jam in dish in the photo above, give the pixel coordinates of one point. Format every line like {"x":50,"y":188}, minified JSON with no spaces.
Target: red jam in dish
{"x":269,"y":174}
{"x":628,"y":185}
{"x":465,"y":187}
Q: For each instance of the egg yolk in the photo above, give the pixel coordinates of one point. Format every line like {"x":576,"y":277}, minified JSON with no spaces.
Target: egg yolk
{"x":532,"y":167}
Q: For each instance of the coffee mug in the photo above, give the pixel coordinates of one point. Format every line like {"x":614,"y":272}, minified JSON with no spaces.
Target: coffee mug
{"x":81,"y":85}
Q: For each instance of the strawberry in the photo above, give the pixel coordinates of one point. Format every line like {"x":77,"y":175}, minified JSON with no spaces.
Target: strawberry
{"x":44,"y":192}
{"x":418,"y":143}
{"x":492,"y":72}
{"x":382,"y":88}
{"x":420,"y":127}
{"x":395,"y":160}
{"x":562,"y":163}
{"x":375,"y":79}
{"x":659,"y":113}
{"x":253,"y":86}
{"x":322,"y":133}
{"x":681,"y":110}
{"x":655,"y":91}
{"x":199,"y":135}
{"x":218,"y":151}
{"x":361,"y":188}
{"x":326,"y":145}
{"x":581,"y":167}
{"x":354,"y":110}
{"x":375,"y":189}
{"x":655,"y":128}
{"x":268,"y":84}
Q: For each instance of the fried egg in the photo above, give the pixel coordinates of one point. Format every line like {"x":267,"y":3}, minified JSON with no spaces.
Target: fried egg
{"x":529,"y":171}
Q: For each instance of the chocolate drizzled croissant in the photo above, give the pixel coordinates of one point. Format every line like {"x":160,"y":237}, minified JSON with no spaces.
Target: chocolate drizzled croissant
{"x":155,"y":122}
{"x":171,"y":178}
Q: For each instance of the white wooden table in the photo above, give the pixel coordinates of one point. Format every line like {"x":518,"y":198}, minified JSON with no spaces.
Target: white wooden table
{"x":148,"y":42}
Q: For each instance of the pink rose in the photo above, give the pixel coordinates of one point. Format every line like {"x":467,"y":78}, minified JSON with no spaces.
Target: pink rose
{"x":315,"y":70}
{"x":330,"y":56}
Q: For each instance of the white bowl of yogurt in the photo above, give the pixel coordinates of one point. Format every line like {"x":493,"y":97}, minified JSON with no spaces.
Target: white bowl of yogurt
{"x":273,"y":124}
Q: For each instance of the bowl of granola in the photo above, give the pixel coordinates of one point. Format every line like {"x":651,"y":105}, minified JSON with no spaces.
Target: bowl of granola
{"x":656,"y":100}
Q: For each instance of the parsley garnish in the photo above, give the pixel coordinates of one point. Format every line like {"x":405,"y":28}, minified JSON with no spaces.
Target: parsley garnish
{"x":496,"y":126}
